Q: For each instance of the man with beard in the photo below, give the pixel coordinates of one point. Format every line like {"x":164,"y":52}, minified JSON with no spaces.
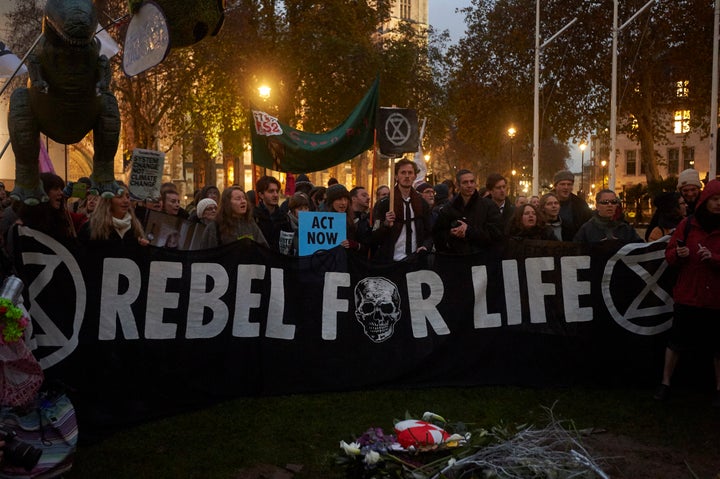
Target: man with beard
{"x":404,"y":229}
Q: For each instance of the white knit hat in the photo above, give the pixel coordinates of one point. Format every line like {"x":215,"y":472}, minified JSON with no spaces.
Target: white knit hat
{"x":689,"y":177}
{"x":203,"y":204}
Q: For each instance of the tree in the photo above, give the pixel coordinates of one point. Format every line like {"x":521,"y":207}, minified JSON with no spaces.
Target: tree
{"x":491,"y":87}
{"x":495,"y":63}
{"x":667,"y":54}
{"x":319,"y":57}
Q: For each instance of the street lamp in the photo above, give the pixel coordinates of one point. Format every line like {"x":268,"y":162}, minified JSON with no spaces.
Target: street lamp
{"x":264,"y":91}
{"x":603,"y":164}
{"x":511,"y":133}
{"x":582,"y":166}
{"x":427,"y":163}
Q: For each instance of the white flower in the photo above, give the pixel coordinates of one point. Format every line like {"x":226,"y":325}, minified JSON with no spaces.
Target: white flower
{"x":352,"y":449}
{"x":372,"y":457}
{"x":451,"y":462}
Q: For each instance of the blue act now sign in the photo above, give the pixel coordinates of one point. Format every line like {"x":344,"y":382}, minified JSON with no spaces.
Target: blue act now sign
{"x":320,"y":230}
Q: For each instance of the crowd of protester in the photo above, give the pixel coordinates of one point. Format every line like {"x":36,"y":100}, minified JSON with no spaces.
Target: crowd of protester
{"x":413,"y":217}
{"x":455,"y":216}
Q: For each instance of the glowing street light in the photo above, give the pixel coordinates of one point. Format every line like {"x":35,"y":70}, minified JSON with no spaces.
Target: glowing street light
{"x":264,"y":91}
{"x":603,"y":163}
{"x":427,"y":163}
{"x":511,"y":133}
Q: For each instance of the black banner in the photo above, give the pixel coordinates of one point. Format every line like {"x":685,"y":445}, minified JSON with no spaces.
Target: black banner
{"x":149,"y":331}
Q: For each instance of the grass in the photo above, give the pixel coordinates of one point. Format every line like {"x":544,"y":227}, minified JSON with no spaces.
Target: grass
{"x":306,"y":429}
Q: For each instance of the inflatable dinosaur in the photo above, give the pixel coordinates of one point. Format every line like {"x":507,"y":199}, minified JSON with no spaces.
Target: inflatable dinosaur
{"x":67,"y":96}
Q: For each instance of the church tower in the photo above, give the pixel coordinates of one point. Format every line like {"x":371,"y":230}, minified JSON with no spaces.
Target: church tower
{"x":414,"y":11}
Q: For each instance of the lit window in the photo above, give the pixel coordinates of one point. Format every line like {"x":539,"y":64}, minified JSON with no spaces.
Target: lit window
{"x":681,"y":89}
{"x":681,"y":123}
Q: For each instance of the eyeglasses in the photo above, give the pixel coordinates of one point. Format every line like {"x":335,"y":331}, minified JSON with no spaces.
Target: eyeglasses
{"x":608,"y":202}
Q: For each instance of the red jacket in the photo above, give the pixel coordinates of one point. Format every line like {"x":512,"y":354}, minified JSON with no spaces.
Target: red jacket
{"x":698,"y":282}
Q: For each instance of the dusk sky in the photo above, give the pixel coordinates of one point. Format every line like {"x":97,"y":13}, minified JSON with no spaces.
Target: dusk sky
{"x":442,"y":16}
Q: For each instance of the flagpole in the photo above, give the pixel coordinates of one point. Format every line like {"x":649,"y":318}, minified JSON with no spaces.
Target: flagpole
{"x":372,"y":174}
{"x":391,"y":207}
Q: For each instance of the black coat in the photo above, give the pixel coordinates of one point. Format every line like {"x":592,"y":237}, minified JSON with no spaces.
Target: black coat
{"x":384,"y":237}
{"x":484,"y":225}
{"x":574,"y":213}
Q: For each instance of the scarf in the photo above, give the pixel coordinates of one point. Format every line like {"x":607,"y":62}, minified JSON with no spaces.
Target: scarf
{"x":122,"y":225}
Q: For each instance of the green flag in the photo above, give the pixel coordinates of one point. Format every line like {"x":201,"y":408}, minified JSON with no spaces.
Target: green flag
{"x":280,"y":147}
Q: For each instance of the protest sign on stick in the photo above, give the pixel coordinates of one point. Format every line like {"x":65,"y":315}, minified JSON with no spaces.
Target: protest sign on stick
{"x":146,"y":174}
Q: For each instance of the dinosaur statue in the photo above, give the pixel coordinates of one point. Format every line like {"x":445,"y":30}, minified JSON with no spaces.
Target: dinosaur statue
{"x":68,"y":95}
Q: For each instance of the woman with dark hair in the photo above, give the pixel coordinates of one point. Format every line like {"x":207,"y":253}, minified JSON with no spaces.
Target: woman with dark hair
{"x":670,"y":210}
{"x":527,"y":223}
{"x":694,"y":250}
{"x":51,"y":217}
{"x":289,"y":228}
{"x":234,"y":220}
{"x":317,"y":198}
{"x":337,"y":200}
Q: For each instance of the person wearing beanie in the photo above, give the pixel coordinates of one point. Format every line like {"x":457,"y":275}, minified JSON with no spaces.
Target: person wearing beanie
{"x":689,"y":186}
{"x":574,"y":211}
{"x":427,"y":192}
{"x":334,"y":193}
{"x":302,"y":185}
{"x":442,"y":193}
{"x":337,"y":200}
{"x":206,"y":210}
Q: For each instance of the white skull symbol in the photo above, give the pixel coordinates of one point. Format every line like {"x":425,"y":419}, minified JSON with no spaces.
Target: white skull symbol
{"x":377,"y":307}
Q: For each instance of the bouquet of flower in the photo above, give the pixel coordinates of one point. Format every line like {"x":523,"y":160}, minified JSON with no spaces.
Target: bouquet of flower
{"x":12,"y":322}
{"x":419,"y":449}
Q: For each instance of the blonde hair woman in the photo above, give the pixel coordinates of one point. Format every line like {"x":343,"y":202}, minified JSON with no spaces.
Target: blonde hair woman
{"x":114,"y":219}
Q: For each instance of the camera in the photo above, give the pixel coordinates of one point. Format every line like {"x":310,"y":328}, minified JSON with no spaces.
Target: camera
{"x":17,"y":452}
{"x":456,"y":223}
